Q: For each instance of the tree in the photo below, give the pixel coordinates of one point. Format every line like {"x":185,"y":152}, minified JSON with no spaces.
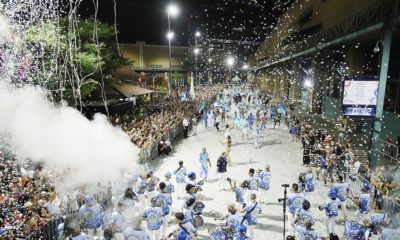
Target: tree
{"x":71,"y":56}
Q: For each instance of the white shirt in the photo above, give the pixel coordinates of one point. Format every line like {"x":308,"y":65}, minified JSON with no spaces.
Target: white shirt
{"x":185,"y":122}
{"x":355,"y":167}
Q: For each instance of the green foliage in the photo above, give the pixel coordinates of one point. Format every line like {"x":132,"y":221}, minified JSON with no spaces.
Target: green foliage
{"x":74,"y":55}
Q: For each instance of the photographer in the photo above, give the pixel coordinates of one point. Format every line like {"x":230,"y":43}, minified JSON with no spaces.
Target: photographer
{"x":221,"y":170}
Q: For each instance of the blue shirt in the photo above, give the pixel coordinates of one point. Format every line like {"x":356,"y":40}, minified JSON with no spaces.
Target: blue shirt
{"x":306,"y":234}
{"x":164,"y":201}
{"x":304,"y":215}
{"x":153,"y":216}
{"x":252,"y":183}
{"x":204,"y":159}
{"x":152,"y":184}
{"x":265,"y":179}
{"x":250,"y":118}
{"x":251,"y":217}
{"x":310,"y":182}
{"x":331,"y":207}
{"x":234,"y":220}
{"x":240,"y":194}
{"x":341,"y":189}
{"x":180,"y":175}
{"x":364,"y":199}
{"x":295,"y":202}
{"x":91,"y":216}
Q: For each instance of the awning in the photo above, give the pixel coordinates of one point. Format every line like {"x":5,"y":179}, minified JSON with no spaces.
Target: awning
{"x":129,"y":90}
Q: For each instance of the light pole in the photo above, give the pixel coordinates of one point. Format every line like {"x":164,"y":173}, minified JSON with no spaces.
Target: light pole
{"x":196,"y":52}
{"x":172,"y":11}
{"x":230,"y":61}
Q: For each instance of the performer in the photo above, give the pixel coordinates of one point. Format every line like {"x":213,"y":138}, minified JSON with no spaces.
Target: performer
{"x":204,"y":162}
{"x":265,"y":180}
{"x":180,"y":178}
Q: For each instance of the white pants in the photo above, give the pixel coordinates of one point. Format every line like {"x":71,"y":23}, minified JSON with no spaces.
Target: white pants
{"x":343,"y":209}
{"x":291,"y":219}
{"x":263,"y":195}
{"x":142,"y":201}
{"x":154,"y":234}
{"x":165,"y":220}
{"x":329,"y":224}
{"x":181,"y":190}
{"x":222,"y":180}
{"x":252,"y":231}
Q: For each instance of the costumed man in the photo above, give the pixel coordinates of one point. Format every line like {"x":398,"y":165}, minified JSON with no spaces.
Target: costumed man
{"x":295,"y":202}
{"x":164,"y":200}
{"x":331,"y":209}
{"x":204,"y":162}
{"x":153,"y":216}
{"x":253,"y":183}
{"x":252,"y":210}
{"x":180,"y":178}
{"x":265,"y":180}
{"x":342,"y":189}
{"x":363,"y":203}
{"x":91,"y":216}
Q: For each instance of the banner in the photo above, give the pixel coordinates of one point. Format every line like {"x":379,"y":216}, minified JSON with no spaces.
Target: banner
{"x":360,"y":95}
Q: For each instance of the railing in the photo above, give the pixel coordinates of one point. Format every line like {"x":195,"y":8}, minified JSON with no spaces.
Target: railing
{"x":390,"y":205}
{"x":49,"y":231}
{"x":389,"y":150}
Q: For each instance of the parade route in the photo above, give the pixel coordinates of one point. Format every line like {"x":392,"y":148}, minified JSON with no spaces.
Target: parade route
{"x":284,"y":158}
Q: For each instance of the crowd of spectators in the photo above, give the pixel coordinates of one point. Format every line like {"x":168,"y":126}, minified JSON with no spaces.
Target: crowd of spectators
{"x":28,"y":201}
{"x":166,"y":114}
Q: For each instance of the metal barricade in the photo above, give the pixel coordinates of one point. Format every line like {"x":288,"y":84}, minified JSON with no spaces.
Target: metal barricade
{"x":389,"y":150}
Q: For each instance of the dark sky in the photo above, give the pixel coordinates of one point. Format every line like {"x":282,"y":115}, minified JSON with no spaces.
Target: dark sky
{"x":146,"y":20}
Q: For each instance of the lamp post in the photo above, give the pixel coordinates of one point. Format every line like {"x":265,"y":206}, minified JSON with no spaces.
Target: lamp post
{"x":172,"y":11}
{"x":196,"y":52}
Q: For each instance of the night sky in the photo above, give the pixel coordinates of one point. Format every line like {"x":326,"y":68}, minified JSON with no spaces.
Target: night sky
{"x":146,"y":20}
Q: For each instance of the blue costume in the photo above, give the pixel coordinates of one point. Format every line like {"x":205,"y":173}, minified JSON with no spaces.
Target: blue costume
{"x":295,"y":201}
{"x":265,"y":180}
{"x":310,"y":182}
{"x":203,"y":157}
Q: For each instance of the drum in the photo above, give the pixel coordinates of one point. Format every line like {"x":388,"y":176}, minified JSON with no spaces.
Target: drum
{"x":198,"y":207}
{"x":354,"y":230}
{"x":197,"y":221}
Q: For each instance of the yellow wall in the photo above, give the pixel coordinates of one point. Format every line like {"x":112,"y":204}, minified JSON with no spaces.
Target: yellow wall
{"x":153,"y":55}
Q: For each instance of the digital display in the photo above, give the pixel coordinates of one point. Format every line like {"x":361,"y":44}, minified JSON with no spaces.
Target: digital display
{"x":360,"y":95}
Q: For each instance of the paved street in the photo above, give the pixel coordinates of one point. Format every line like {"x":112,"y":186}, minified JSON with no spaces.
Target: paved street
{"x":284,"y":157}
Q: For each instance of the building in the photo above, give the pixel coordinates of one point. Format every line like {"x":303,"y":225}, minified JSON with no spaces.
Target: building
{"x":319,"y":42}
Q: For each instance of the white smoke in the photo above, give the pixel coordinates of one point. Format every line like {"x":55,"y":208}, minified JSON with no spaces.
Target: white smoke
{"x":88,"y":152}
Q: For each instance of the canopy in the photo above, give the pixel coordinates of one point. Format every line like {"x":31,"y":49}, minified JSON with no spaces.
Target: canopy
{"x":129,"y":90}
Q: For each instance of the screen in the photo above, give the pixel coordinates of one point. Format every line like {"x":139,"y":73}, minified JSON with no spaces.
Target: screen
{"x":360,"y":96}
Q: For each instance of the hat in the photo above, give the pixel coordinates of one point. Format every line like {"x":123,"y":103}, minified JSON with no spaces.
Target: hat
{"x":182,"y":235}
{"x":89,"y":199}
{"x":168,"y":175}
{"x":332,"y":193}
{"x":367,"y":186}
{"x":192,"y":175}
{"x":252,"y":171}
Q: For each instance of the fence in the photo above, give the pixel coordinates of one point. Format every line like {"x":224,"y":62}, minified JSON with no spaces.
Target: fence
{"x":173,"y":135}
{"x":389,"y":150}
{"x":390,"y":206}
{"x":50,"y":232}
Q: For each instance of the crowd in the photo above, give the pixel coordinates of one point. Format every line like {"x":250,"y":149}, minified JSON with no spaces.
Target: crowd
{"x":141,"y":206}
{"x":28,"y":201}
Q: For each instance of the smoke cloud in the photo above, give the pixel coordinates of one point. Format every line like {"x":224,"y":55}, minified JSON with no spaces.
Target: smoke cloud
{"x":87,"y":152}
